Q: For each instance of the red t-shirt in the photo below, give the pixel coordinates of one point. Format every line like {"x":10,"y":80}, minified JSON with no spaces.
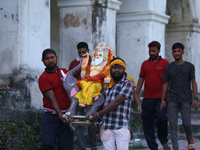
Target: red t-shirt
{"x":51,"y":81}
{"x":153,"y":75}
{"x":75,"y":63}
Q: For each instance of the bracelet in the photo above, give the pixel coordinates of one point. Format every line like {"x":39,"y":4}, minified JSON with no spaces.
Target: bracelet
{"x":197,"y":98}
{"x":98,"y":115}
{"x":60,"y":113}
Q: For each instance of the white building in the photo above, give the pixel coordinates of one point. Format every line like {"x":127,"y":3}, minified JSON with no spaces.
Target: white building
{"x":27,"y":27}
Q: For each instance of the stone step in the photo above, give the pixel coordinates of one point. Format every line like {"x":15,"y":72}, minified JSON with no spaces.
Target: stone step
{"x":139,"y":133}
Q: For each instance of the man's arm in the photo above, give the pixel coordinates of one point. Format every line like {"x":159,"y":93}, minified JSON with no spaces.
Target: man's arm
{"x":72,"y":65}
{"x":136,"y":101}
{"x":52,"y":99}
{"x":139,"y":85}
{"x":164,"y":92}
{"x":112,"y":106}
{"x":194,"y":88}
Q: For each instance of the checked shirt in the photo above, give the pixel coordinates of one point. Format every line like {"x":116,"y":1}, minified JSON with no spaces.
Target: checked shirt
{"x":119,"y":117}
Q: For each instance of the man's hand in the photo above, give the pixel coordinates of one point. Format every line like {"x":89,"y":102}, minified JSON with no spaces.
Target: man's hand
{"x":63,"y":120}
{"x":195,"y":105}
{"x":93,"y":117}
{"x":95,"y":131}
{"x":139,"y":109}
{"x":162,"y":105}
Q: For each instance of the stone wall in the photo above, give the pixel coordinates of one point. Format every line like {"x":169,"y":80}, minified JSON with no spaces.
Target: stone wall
{"x":15,"y":137}
{"x":19,"y":123}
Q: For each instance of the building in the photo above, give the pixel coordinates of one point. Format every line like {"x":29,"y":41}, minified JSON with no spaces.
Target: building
{"x":27,"y":27}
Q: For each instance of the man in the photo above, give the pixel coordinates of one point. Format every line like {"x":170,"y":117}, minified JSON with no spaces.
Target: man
{"x":115,"y":115}
{"x":151,"y":73}
{"x":180,"y":74}
{"x":82,"y":48}
{"x":55,"y":133}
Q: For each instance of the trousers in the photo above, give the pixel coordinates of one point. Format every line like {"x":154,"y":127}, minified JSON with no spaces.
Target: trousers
{"x":55,"y":134}
{"x":112,"y":138}
{"x":153,"y":117}
{"x":185,"y":110}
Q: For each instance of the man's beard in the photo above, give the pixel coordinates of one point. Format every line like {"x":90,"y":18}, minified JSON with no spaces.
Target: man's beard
{"x":177,"y":58}
{"x":153,"y":57}
{"x":50,"y":67}
{"x":116,"y":77}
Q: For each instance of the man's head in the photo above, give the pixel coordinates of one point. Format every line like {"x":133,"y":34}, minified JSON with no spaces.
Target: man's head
{"x":177,"y":50}
{"x":82,"y":48}
{"x":154,"y":50}
{"x":49,"y":58}
{"x":117,"y":68}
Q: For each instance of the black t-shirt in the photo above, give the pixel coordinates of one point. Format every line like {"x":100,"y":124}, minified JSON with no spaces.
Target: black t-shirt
{"x":180,"y":77}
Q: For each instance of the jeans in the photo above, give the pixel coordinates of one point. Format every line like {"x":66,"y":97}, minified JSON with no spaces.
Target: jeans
{"x":185,"y":110}
{"x":153,"y":117}
{"x":55,"y":134}
{"x":81,"y":136}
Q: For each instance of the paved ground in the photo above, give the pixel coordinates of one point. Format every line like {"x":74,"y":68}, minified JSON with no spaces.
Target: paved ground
{"x":141,"y":142}
{"x":183,"y":144}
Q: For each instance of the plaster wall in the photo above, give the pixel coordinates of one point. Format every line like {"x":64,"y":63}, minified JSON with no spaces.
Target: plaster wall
{"x":107,"y":30}
{"x":191,"y":42}
{"x":136,"y":29}
{"x":88,"y":21}
{"x":132,"y":44}
{"x":55,"y":25}
{"x":158,"y":6}
{"x":25,"y":33}
{"x":74,"y":20}
{"x":9,"y":17}
{"x":184,"y":27}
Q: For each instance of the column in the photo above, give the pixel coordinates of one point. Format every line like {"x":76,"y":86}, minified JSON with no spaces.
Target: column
{"x":88,"y":21}
{"x":139,"y":23}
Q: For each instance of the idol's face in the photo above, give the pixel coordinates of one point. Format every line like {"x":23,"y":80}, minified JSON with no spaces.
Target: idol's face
{"x":98,"y":58}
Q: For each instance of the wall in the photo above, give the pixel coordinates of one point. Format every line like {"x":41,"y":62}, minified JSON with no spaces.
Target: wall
{"x":25,"y":33}
{"x":184,"y":27}
{"x":139,"y":23}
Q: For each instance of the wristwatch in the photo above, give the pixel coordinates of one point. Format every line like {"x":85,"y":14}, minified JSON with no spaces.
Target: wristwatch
{"x":197,"y":98}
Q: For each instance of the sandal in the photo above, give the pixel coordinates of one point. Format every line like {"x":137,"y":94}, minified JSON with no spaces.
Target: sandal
{"x":192,"y":145}
{"x":166,"y":147}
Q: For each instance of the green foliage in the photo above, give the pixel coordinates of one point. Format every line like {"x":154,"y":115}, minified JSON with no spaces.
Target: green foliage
{"x":30,"y":142}
{"x":2,"y":93}
{"x":12,"y":127}
{"x":31,"y":136}
{"x":36,"y":125}
{"x":137,"y":123}
{"x":75,"y":145}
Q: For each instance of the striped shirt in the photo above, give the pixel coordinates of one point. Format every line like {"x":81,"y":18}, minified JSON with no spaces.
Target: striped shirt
{"x":119,"y":117}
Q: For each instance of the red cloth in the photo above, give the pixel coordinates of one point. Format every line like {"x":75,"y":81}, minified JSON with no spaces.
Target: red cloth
{"x":75,"y":63}
{"x":51,"y":81}
{"x":153,"y":75}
